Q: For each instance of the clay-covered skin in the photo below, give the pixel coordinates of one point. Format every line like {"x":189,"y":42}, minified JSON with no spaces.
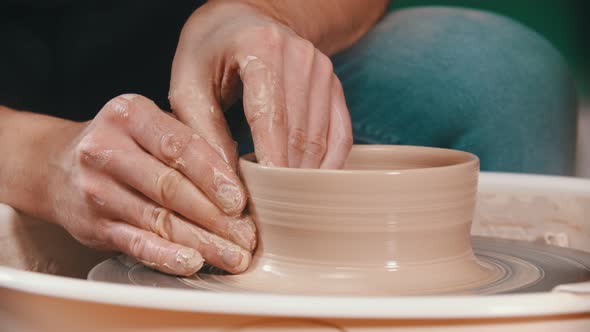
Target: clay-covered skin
{"x":165,"y":189}
{"x":396,"y":220}
{"x":293,"y":102}
{"x":138,"y":181}
{"x":181,"y":216}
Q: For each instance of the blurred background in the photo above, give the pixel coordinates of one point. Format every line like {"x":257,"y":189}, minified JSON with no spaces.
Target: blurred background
{"x":566,"y":24}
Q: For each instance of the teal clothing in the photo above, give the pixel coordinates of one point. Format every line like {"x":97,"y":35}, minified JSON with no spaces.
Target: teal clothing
{"x":461,"y":79}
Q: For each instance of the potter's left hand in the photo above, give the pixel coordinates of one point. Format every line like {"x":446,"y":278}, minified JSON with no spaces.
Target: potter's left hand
{"x":292,"y":99}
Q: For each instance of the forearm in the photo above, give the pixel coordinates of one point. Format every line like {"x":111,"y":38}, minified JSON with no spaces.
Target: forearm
{"x":25,"y":152}
{"x":331,"y":25}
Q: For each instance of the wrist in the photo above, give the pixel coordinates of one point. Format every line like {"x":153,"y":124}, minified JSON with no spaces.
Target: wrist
{"x":331,"y":25}
{"x":33,"y":141}
{"x":282,"y":12}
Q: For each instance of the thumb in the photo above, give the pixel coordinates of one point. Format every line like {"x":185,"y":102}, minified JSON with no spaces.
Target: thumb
{"x":194,"y":102}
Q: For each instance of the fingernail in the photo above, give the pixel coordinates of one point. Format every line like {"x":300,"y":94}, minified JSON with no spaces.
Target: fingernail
{"x":230,"y":196}
{"x":235,"y":260}
{"x":189,"y":259}
{"x":227,"y":192}
{"x":243,"y":233}
{"x":231,"y":257}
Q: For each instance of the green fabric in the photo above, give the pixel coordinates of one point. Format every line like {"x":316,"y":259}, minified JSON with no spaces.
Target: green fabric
{"x":563,"y":23}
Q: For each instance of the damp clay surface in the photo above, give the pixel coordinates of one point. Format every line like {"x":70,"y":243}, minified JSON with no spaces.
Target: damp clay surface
{"x":395,"y":221}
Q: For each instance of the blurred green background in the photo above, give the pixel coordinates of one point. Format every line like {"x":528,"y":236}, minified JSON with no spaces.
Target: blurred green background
{"x":565,"y":23}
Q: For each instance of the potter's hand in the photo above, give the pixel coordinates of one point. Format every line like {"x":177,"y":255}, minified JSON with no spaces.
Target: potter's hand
{"x":293,"y":102}
{"x":139,"y":181}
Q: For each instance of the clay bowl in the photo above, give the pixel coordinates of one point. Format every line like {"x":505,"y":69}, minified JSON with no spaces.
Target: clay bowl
{"x":395,"y":221}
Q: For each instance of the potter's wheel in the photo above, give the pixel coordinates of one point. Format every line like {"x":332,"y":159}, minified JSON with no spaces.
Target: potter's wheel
{"x":530,"y":208}
{"x":370,"y":230}
{"x":520,"y":267}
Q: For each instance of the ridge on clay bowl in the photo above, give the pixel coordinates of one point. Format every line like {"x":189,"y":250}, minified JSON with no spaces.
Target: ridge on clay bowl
{"x":395,"y":221}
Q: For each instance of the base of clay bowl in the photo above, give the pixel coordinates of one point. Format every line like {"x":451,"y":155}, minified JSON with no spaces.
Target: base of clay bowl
{"x":396,"y":219}
{"x":461,"y":276}
{"x":525,"y":267}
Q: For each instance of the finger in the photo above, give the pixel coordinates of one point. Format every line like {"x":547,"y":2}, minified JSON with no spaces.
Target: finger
{"x":214,"y":249}
{"x":298,"y":65}
{"x":264,"y":106}
{"x":143,"y":214}
{"x":174,"y":228}
{"x":319,"y":112}
{"x":153,"y":250}
{"x":193,"y":100}
{"x":179,"y":147}
{"x":168,"y":188}
{"x":340,"y":129}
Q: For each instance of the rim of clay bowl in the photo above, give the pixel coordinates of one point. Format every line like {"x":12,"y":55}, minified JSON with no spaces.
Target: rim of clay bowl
{"x":467,"y":159}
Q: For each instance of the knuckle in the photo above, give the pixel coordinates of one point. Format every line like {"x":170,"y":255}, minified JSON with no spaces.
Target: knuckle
{"x":92,"y":153}
{"x":87,"y":147}
{"x":254,"y":118}
{"x":159,"y":221}
{"x":167,"y":185}
{"x":119,"y":108}
{"x":271,"y":34}
{"x":337,"y":87}
{"x":136,"y":245}
{"x":175,"y":101}
{"x":304,"y":49}
{"x":325,"y":63}
{"x":297,"y":139}
{"x":344,"y":142}
{"x":279,"y":117}
{"x":183,"y":96}
{"x":91,"y":189}
{"x":316,"y":146}
{"x":172,"y":146}
{"x":177,"y":98}
{"x":101,"y":236}
{"x":147,"y":216}
{"x":89,"y":236}
{"x":306,"y":46}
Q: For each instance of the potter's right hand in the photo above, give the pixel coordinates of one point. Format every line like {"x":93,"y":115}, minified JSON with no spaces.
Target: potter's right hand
{"x":138,"y":181}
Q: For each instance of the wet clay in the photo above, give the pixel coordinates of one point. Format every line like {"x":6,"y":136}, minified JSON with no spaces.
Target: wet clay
{"x":395,"y":221}
{"x":525,"y":267}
